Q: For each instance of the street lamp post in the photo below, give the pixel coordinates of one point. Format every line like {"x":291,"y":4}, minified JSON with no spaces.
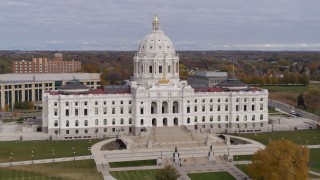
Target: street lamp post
{"x":74,"y":155}
{"x":32,"y":157}
{"x":52,"y":155}
{"x":10,"y":160}
{"x":89,"y":152}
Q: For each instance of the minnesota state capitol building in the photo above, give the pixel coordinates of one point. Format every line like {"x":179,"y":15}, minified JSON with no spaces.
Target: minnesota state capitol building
{"x":156,"y":97}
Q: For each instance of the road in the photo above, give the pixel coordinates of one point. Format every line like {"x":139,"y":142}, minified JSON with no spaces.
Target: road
{"x":287,"y":108}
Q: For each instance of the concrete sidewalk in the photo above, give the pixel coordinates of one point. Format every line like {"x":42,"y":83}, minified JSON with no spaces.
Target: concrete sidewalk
{"x":44,"y":161}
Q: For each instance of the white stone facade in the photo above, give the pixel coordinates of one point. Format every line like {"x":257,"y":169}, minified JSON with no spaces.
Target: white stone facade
{"x":156,"y":98}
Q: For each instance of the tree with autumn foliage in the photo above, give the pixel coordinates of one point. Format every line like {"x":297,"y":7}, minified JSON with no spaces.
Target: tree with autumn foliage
{"x":281,"y":159}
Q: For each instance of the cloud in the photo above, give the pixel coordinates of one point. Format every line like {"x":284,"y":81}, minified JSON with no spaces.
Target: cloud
{"x":120,"y":24}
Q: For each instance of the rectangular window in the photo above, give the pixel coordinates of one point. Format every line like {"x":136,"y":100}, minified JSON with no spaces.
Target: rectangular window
{"x":121,"y":110}
{"x":76,"y":103}
{"x":104,"y":110}
{"x":85,"y":112}
{"x":150,"y":69}
{"x":76,"y":112}
{"x":67,"y":103}
{"x":226,"y":107}
{"x":203,"y":108}
{"x":218,"y":107}
{"x":104,"y":102}
{"x":261,"y":107}
{"x":188,"y":109}
{"x":96,"y":111}
{"x":105,"y":130}
{"x":67,"y":131}
{"x":113,"y":110}
{"x":252,"y":107}
{"x":130,"y":110}
{"x":211,"y":108}
{"x":160,"y":69}
{"x":96,"y":103}
{"x":237,"y":107}
{"x":121,"y":102}
{"x":169,"y":69}
{"x":244,"y":107}
{"x":130,"y":102}
{"x":113,"y":102}
{"x":86,"y":103}
{"x":195,"y":109}
{"x":141,"y":110}
{"x":67,"y":112}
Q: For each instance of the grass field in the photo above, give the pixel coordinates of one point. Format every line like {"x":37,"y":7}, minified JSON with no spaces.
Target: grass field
{"x":242,"y":167}
{"x":292,"y":89}
{"x":242,"y":157}
{"x":73,"y":170}
{"x":315,"y":160}
{"x":286,"y":94}
{"x":22,"y":150}
{"x":151,"y":162}
{"x":135,"y":174}
{"x":304,"y":137}
{"x":211,"y":176}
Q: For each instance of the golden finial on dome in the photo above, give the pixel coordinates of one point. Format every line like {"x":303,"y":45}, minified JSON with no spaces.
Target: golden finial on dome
{"x":155,"y":23}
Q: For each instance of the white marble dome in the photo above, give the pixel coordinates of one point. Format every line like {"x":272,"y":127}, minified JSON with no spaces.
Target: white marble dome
{"x":156,"y":41}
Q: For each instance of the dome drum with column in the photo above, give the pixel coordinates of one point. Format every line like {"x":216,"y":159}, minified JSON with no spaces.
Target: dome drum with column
{"x":156,"y":58}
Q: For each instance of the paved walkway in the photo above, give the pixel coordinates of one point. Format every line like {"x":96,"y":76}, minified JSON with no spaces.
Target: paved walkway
{"x":44,"y":161}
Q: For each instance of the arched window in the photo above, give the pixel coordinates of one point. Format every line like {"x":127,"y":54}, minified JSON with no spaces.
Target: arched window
{"x":188,"y":120}
{"x":67,"y":123}
{"x":237,"y":118}
{"x":77,"y":123}
{"x":226,"y":118}
{"x":55,"y":123}
{"x":97,"y":122}
{"x":261,"y":117}
{"x":253,"y":117}
{"x":211,"y":118}
{"x":86,"y":123}
{"x":219,"y":118}
{"x":245,"y":117}
{"x":141,"y":122}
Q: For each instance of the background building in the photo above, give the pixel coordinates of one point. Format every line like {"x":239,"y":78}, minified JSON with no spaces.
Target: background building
{"x":43,"y":65}
{"x":207,"y":78}
{"x":29,"y":87}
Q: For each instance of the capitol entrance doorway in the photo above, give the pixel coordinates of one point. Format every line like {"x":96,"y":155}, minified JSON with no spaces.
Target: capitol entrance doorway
{"x":154,"y":122}
{"x":165,"y":122}
{"x":175,"y":121}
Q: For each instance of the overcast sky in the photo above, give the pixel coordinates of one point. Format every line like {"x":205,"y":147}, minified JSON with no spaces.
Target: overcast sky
{"x":190,"y":24}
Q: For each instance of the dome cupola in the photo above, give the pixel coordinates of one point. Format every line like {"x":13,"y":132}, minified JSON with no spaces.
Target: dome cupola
{"x":156,"y":61}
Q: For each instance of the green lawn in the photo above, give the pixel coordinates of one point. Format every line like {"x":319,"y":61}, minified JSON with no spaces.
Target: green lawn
{"x":242,"y":157}
{"x":315,"y":160}
{"x":151,"y":162}
{"x":304,"y":137}
{"x":135,"y":174}
{"x":293,"y":89}
{"x":72,"y":170}
{"x":211,"y":176}
{"x":22,"y":150}
{"x":242,"y":167}
{"x":272,"y":110}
